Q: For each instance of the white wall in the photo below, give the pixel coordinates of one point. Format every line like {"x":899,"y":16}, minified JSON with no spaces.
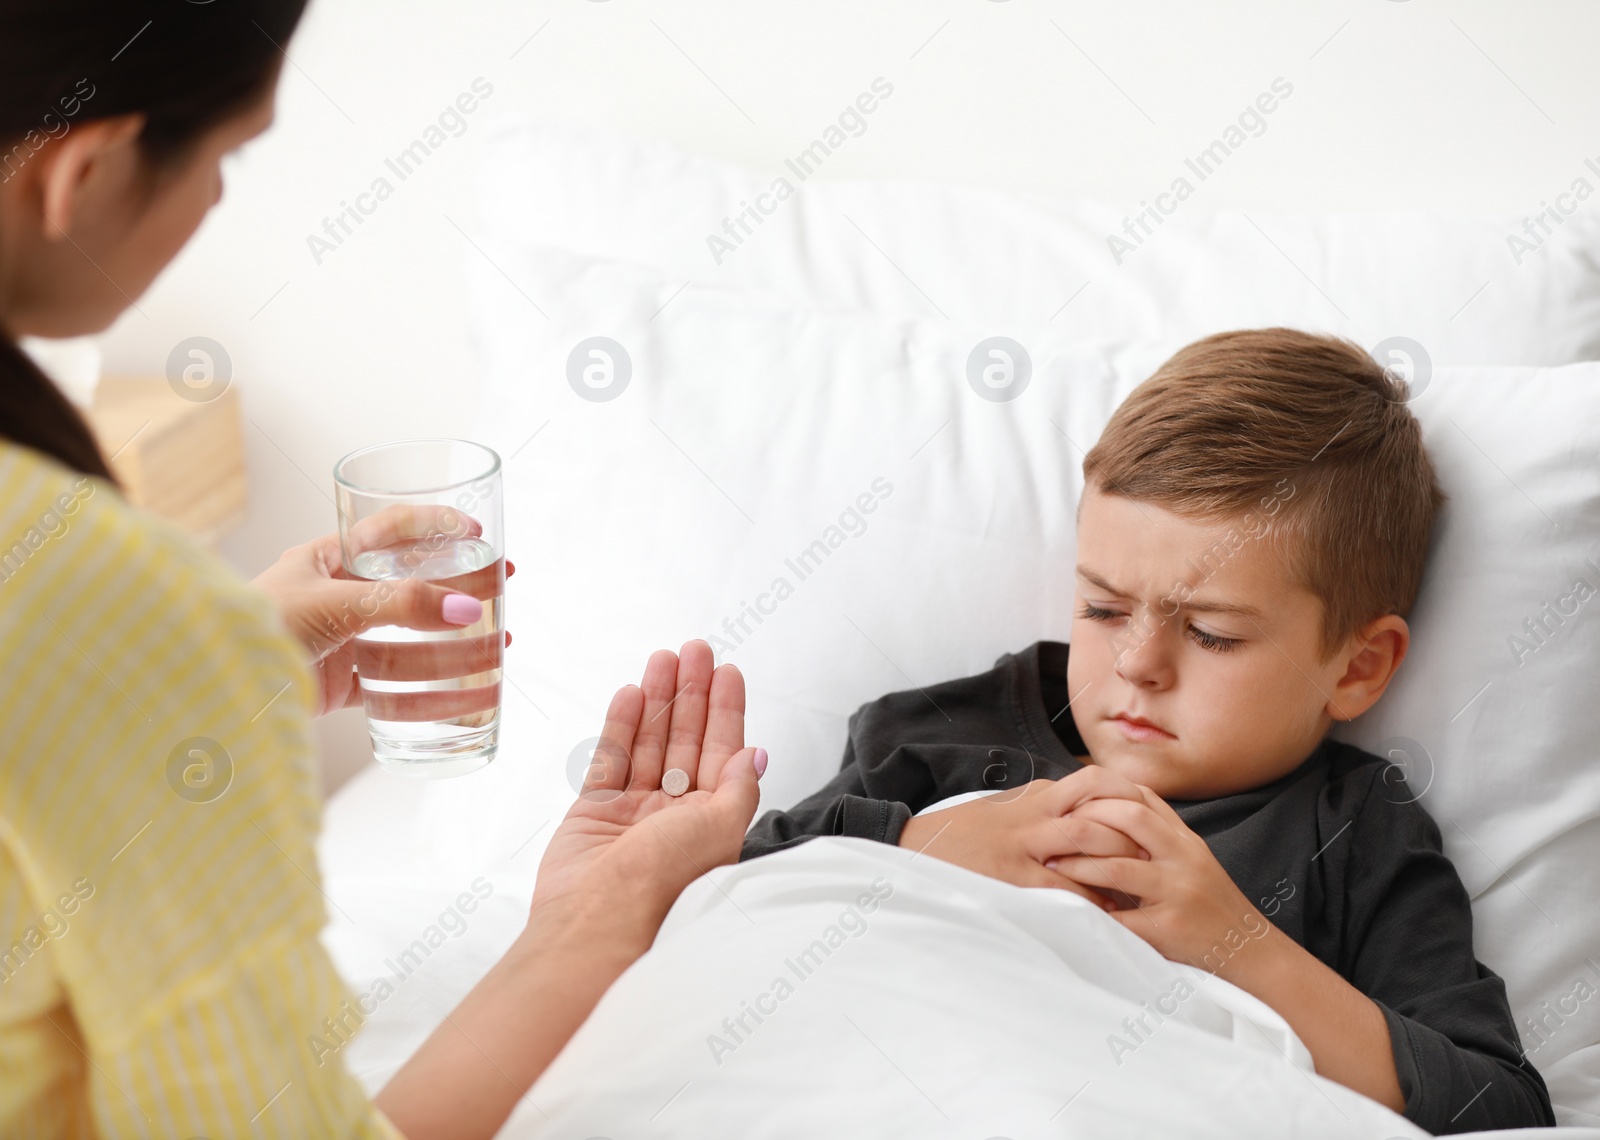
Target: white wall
{"x":1397,"y":103}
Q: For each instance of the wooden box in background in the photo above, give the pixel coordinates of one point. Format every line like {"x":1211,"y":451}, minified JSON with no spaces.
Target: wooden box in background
{"x":180,"y":459}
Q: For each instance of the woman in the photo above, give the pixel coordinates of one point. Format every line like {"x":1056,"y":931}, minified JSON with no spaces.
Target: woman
{"x":160,"y":969}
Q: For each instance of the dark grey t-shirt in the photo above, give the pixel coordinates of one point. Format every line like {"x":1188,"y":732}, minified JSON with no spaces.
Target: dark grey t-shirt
{"x":1336,"y":854}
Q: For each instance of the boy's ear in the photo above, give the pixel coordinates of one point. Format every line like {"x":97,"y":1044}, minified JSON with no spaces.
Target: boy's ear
{"x":1370,"y":664}
{"x":67,"y":164}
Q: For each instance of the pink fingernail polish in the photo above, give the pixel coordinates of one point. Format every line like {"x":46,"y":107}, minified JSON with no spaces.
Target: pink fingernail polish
{"x":761,"y":761}
{"x":462,"y":609}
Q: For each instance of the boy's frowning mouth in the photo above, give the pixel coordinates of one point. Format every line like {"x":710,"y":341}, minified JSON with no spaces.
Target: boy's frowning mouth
{"x":1139,"y":728}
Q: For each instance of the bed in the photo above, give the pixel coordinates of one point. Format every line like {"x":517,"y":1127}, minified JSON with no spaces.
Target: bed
{"x":947,"y":354}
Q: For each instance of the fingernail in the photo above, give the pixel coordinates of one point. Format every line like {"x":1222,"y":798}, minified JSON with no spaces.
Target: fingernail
{"x":462,"y":609}
{"x":1051,"y":863}
{"x":761,"y":761}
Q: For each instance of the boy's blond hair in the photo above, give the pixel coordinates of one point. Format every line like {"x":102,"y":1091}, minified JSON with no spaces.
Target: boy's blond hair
{"x":1232,"y":421}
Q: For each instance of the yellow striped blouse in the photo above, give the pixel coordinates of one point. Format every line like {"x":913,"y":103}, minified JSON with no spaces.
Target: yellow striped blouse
{"x":160,"y":905}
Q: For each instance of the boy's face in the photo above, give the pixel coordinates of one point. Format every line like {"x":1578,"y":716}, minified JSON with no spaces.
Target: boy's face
{"x":1238,"y":695}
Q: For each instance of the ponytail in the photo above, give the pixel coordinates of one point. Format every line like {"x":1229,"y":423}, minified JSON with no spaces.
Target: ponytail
{"x":35,"y":413}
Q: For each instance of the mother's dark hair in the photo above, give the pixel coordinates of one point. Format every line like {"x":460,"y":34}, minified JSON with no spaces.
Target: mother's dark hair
{"x":185,"y":65}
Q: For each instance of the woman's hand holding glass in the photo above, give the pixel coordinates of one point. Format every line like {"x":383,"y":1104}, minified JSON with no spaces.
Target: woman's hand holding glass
{"x":324,"y":607}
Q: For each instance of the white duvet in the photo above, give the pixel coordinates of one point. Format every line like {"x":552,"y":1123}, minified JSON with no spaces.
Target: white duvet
{"x":847,"y":988}
{"x":944,"y":1004}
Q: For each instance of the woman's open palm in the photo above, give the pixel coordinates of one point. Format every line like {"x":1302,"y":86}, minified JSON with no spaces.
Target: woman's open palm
{"x":623,"y":829}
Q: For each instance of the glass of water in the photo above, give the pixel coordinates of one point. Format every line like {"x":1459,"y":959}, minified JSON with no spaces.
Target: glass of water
{"x":431,"y":509}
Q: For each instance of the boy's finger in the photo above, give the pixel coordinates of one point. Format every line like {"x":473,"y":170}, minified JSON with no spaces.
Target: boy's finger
{"x":1088,"y":783}
{"x":1137,"y":821}
{"x":1161,"y":807}
{"x":612,"y":756}
{"x":1135,"y":920}
{"x":687,"y":727}
{"x":1076,"y":834}
{"x":1034,"y":875}
{"x":1137,"y":877}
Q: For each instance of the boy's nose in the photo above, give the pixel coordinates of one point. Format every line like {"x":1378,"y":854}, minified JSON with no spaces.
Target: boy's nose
{"x":1143,"y":661}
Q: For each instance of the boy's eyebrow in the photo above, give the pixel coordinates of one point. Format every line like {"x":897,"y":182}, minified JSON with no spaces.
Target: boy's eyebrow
{"x":1094,"y":579}
{"x":1196,"y":605}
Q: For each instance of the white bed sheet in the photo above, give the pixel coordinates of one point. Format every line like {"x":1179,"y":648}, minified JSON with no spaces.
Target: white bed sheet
{"x":960,"y":994}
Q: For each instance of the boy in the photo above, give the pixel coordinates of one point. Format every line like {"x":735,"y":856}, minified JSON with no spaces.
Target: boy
{"x":1253,"y":529}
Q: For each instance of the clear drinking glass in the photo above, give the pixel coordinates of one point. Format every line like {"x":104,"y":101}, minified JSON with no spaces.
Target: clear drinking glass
{"x":428,"y":508}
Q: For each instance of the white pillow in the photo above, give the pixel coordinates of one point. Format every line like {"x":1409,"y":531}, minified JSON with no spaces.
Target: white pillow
{"x":1494,"y":723}
{"x":746,"y":432}
{"x":1471,"y":289}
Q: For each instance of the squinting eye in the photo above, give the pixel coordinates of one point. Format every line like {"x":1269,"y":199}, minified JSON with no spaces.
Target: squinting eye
{"x":1095,"y":613}
{"x":1212,"y":642}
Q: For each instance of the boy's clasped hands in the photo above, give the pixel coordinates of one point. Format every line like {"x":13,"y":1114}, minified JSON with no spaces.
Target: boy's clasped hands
{"x":1101,"y":836}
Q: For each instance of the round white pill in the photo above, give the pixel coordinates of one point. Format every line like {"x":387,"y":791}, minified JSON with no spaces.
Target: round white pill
{"x":675,"y":782}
